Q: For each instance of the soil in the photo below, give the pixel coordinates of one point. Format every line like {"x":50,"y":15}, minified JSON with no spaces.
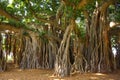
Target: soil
{"x":42,"y":74}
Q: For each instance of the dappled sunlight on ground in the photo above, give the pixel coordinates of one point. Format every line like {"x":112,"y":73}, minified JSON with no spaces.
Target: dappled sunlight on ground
{"x":100,"y":74}
{"x":40,"y":74}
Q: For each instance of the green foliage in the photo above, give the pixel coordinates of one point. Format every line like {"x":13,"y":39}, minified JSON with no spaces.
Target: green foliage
{"x":114,"y":13}
{"x":69,"y":11}
{"x":16,"y":24}
{"x":113,"y":41}
{"x":79,"y":14}
{"x":89,"y":7}
{"x":80,"y":28}
{"x":117,"y":14}
{"x":27,"y":10}
{"x":3,"y":4}
{"x":21,"y":8}
{"x":2,"y":18}
{"x":75,"y":2}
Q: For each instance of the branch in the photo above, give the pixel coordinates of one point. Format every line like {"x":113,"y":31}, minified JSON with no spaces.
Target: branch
{"x":6,"y":26}
{"x":114,"y":24}
{"x":60,"y":12}
{"x":35,"y":15}
{"x":7,"y":15}
{"x":52,"y":37}
{"x":114,"y":28}
{"x":106,"y":4}
{"x":82,"y":3}
{"x":114,"y":31}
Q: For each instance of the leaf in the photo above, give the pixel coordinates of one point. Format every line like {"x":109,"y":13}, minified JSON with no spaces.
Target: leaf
{"x":10,"y":6}
{"x":26,"y":1}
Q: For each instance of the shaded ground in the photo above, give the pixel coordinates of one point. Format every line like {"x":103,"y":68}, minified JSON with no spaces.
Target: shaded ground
{"x":39,"y":74}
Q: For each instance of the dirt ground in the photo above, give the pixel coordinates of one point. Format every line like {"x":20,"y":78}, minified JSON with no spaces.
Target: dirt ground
{"x":40,"y":74}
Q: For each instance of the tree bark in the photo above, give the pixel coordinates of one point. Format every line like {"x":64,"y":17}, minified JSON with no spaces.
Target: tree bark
{"x":100,"y":57}
{"x":62,"y":64}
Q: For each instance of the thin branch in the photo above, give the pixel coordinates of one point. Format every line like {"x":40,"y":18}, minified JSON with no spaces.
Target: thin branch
{"x":7,"y":15}
{"x":6,"y":26}
{"x":51,"y":37}
{"x":106,"y":4}
{"x":114,"y":31}
{"x":115,"y":24}
{"x":82,"y":3}
{"x":35,"y":15}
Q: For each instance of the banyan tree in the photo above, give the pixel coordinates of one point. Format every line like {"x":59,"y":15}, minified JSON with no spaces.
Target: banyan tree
{"x":69,"y":36}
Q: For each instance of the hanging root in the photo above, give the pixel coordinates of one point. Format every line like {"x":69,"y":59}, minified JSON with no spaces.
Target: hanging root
{"x":62,"y":64}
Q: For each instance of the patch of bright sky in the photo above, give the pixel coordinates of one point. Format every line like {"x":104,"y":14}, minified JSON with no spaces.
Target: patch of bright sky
{"x":41,"y":6}
{"x":10,"y":1}
{"x":114,"y":51}
{"x":77,"y":20}
{"x":31,"y":3}
{"x":51,"y":9}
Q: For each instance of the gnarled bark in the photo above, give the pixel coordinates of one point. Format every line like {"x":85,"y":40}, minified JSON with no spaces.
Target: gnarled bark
{"x":100,"y":57}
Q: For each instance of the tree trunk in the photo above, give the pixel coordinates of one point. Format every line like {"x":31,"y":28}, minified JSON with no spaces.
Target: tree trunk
{"x":117,"y":56}
{"x":39,"y":52}
{"x":100,"y":57}
{"x":62,"y":64}
{"x":3,"y":65}
{"x":79,"y":59}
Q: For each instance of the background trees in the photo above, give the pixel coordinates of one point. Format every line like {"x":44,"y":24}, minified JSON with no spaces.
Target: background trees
{"x":67,"y":35}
